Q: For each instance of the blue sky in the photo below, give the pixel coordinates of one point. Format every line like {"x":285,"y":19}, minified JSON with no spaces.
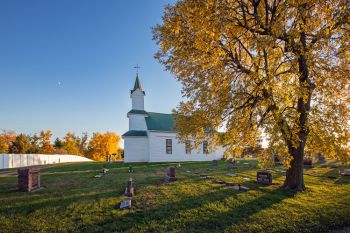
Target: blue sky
{"x":68,"y":65}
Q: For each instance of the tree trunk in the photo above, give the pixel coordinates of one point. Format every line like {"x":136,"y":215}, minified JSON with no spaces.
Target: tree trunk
{"x":295,"y":175}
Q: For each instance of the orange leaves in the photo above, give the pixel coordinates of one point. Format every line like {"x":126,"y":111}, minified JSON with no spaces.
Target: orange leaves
{"x":102,"y":144}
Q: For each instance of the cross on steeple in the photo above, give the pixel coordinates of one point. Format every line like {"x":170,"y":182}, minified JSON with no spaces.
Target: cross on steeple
{"x":137,"y":67}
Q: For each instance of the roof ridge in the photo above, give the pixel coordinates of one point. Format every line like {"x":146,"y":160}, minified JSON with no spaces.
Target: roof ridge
{"x":161,"y":113}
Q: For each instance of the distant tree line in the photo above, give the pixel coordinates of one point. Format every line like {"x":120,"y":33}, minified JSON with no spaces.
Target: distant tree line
{"x":97,"y":147}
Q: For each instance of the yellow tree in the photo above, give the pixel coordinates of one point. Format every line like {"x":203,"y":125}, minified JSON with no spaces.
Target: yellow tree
{"x":278,"y":66}
{"x":101,"y":145}
{"x":46,"y":146}
{"x":6,"y":140}
{"x":70,"y":144}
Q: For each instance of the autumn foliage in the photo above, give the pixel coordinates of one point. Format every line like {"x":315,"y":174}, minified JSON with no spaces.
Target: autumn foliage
{"x":251,"y":66}
{"x":100,"y":145}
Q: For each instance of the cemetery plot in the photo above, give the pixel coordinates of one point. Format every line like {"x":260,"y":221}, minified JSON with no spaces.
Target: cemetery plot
{"x":28,"y":179}
{"x":125,"y":204}
{"x":264,"y":178}
{"x":106,"y":207}
{"x":308,"y":163}
{"x":129,"y":190}
{"x":346,"y":172}
{"x":170,"y":176}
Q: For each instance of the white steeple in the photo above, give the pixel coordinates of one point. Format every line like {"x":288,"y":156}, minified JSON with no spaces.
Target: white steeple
{"x":137,"y":95}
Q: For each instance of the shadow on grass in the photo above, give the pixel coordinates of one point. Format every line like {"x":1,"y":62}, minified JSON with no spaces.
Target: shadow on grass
{"x":28,"y":207}
{"x":170,"y":211}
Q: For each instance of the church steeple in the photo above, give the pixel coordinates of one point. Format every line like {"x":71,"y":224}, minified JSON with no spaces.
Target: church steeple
{"x":137,"y":95}
{"x":137,"y":84}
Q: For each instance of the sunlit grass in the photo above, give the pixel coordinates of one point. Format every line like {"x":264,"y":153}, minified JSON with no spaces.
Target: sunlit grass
{"x":73,"y":201}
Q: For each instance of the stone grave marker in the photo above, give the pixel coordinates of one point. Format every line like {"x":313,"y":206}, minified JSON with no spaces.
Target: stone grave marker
{"x":219,"y":182}
{"x":231,"y":165}
{"x":28,"y":179}
{"x":243,"y":188}
{"x":230,"y":184}
{"x":125,"y":204}
{"x":129,"y":190}
{"x":214,"y":163}
{"x":308,"y":163}
{"x":99,"y":175}
{"x":346,"y":172}
{"x":178,"y":165}
{"x":171,"y":175}
{"x":321,"y":158}
{"x":264,"y":178}
{"x":188,"y":171}
{"x":231,"y":174}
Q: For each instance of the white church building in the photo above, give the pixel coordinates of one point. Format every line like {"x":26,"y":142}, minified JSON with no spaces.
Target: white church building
{"x":152,"y":136}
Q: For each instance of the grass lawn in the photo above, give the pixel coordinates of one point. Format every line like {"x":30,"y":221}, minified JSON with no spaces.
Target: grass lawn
{"x":73,"y":201}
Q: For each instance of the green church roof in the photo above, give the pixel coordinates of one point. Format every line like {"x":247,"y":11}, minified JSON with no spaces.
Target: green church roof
{"x":160,"y":121}
{"x":135,"y":133}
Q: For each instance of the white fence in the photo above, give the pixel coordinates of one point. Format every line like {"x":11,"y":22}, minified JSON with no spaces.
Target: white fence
{"x":23,"y":160}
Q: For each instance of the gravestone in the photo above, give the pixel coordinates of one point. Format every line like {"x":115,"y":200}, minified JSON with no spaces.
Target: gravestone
{"x":170,"y":176}
{"x":129,"y":190}
{"x":321,"y":158}
{"x":230,"y":184}
{"x":125,"y":204}
{"x":99,"y":175}
{"x":231,"y":165}
{"x":243,"y":188}
{"x":231,"y":174}
{"x":178,"y":165}
{"x":28,"y":179}
{"x":219,"y":182}
{"x":214,"y":163}
{"x":264,"y":178}
{"x":276,"y":160}
{"x":105,"y":170}
{"x":346,"y":172}
{"x":308,"y":163}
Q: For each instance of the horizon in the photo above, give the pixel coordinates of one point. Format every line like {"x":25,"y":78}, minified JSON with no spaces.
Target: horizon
{"x":69,"y":66}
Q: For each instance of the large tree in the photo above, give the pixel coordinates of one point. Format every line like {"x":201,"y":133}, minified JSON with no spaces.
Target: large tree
{"x":71,"y":144}
{"x":102,"y":144}
{"x":46,"y":146}
{"x":21,"y":144}
{"x":249,"y":66}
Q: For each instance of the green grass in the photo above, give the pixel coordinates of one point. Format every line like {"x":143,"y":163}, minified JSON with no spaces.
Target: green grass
{"x":73,"y":201}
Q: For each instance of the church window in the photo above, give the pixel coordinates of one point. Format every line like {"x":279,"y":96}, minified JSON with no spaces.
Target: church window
{"x":169,"y":146}
{"x":188,"y":147}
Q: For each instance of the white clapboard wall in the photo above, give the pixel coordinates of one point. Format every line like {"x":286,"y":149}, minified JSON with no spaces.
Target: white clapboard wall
{"x":24,"y":160}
